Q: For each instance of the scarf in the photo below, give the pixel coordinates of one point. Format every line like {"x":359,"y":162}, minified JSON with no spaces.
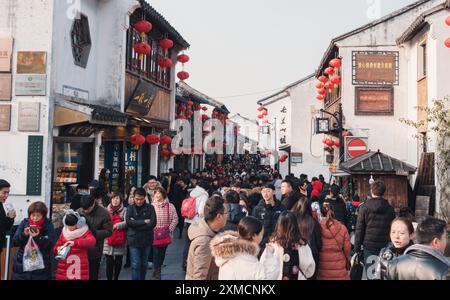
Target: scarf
{"x":115,"y":210}
{"x":76,"y":234}
{"x":431,"y":251}
{"x":161,"y":204}
{"x":38,"y":224}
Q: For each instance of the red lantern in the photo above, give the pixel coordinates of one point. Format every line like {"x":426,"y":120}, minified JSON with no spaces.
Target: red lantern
{"x":204,"y":108}
{"x":189,"y":113}
{"x":261,"y":108}
{"x":320,"y":97}
{"x":447,"y":21}
{"x":204,"y":117}
{"x":182,"y":117}
{"x":142,"y":49}
{"x":320,"y":85}
{"x":215,"y":113}
{"x":336,"y":63}
{"x":260,"y":117}
{"x":143,"y":27}
{"x":322,"y":91}
{"x":323,"y":79}
{"x":183,"y":75}
{"x":336,"y":79}
{"x":337,"y":144}
{"x":329,"y":71}
{"x":166,"y":43}
{"x":165,"y":153}
{"x":198,"y":107}
{"x":152,"y":139}
{"x":137,"y":140}
{"x":182,"y":107}
{"x":447,"y":43}
{"x":265,"y":121}
{"x":329,"y":85}
{"x":264,"y":113}
{"x":329,"y":143}
{"x":165,"y":140}
{"x":165,"y":62}
{"x":183,"y":58}
{"x":190,"y":103}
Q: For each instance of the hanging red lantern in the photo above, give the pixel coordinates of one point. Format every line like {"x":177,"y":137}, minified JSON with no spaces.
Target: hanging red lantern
{"x":152,"y":139}
{"x":264,"y":113}
{"x":329,"y":143}
{"x":260,"y":117}
{"x":322,"y":91}
{"x":261,"y":108}
{"x":198,"y":107}
{"x":337,"y":144}
{"x":336,"y":79}
{"x":336,"y":63}
{"x":320,"y":97}
{"x":265,"y":121}
{"x":447,"y":21}
{"x":447,"y":43}
{"x":190,"y":103}
{"x":215,"y":113}
{"x":183,"y":58}
{"x":323,"y":79}
{"x":329,"y":71}
{"x":283,"y":158}
{"x":165,"y":153}
{"x":137,"y":140}
{"x":183,"y":75}
{"x":142,"y":49}
{"x":166,"y":43}
{"x":329,"y":85}
{"x":165,"y":140}
{"x":182,"y":107}
{"x":189,"y":113}
{"x":205,"y":117}
{"x":204,"y":108}
{"x":165,"y":62}
{"x":143,"y":27}
{"x":320,"y":85}
{"x":182,"y":117}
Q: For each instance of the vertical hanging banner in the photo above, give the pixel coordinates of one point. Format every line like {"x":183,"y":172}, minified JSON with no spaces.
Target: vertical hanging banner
{"x":34,"y":169}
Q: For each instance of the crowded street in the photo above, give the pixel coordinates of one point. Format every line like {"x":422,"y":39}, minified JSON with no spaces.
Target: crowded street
{"x":203,"y":141}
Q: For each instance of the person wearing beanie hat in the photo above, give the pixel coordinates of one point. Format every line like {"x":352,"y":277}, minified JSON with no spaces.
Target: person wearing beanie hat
{"x":76,"y":235}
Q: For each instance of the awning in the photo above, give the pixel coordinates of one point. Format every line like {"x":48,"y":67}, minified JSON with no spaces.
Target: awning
{"x":340,"y":173}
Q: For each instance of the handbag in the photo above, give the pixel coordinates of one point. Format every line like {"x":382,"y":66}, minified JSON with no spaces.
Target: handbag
{"x":119,"y":236}
{"x":32,"y":257}
{"x":161,"y":235}
{"x":347,"y":261}
{"x":356,"y":271}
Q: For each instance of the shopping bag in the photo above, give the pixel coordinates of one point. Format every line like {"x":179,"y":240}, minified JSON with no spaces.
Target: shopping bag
{"x":357,"y":266}
{"x":32,"y":257}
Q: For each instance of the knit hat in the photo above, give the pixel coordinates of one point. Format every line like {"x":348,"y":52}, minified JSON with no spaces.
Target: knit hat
{"x":72,"y":218}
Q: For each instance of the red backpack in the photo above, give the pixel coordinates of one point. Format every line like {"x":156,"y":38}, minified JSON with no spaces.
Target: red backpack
{"x":118,"y":237}
{"x":188,"y":208}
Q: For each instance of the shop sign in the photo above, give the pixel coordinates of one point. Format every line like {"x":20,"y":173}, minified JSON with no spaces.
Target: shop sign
{"x":374,"y":101}
{"x":31,"y":62}
{"x":78,"y":130}
{"x":75,"y":93}
{"x":142,"y":99}
{"x":375,"y":68}
{"x":6,"y":47}
{"x":297,"y":158}
{"x":29,"y":116}
{"x":31,"y":85}
{"x":5,"y":87}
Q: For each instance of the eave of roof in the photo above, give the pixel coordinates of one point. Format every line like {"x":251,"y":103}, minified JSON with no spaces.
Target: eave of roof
{"x":351,"y":166}
{"x":269,"y":98}
{"x":187,"y":91}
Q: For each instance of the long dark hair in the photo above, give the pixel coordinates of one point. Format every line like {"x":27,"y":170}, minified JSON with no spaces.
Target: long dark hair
{"x":249,"y":227}
{"x":303,"y":211}
{"x":328,"y":213}
{"x":286,"y":232}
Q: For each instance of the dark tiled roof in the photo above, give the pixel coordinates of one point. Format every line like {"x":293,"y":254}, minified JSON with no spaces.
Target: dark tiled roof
{"x":160,"y":21}
{"x":107,"y":114}
{"x":286,"y":88}
{"x":376,"y":162}
{"x":186,"y":91}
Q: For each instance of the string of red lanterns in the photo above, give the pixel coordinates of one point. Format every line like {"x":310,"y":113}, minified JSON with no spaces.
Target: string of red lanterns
{"x":447,"y":41}
{"x":142,"y":48}
{"x":327,"y":84}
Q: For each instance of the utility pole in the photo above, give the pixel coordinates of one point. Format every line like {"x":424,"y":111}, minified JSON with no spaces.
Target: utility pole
{"x":276,"y":148}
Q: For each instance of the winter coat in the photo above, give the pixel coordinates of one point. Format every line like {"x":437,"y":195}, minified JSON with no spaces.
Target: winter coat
{"x":237,"y":259}
{"x":201,"y":196}
{"x":5,"y":225}
{"x":76,"y":264}
{"x":339,"y":209}
{"x":335,"y":244}
{"x":315,"y":242}
{"x":101,"y":226}
{"x":117,"y":250}
{"x":317,"y":187}
{"x":305,"y":259}
{"x":200,"y":262}
{"x":269,"y":215}
{"x":291,"y":199}
{"x":373,"y":224}
{"x":420,"y":262}
{"x":139,"y":233}
{"x":164,"y":220}
{"x":45,"y":241}
{"x":388,"y":254}
{"x":177,"y":197}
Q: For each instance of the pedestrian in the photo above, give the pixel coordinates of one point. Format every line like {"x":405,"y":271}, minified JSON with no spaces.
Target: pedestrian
{"x":179,"y":194}
{"x":317,"y":187}
{"x":115,"y":246}
{"x":337,"y":204}
{"x":372,"y":226}
{"x":101,"y":198}
{"x":335,"y":253}
{"x":104,"y":182}
{"x":76,"y":237}
{"x":166,"y":222}
{"x":7,"y":216}
{"x":141,"y":219}
{"x":129,"y":201}
{"x":289,"y":195}
{"x":150,"y":187}
{"x":425,"y":260}
{"x":82,"y":190}
{"x":402,"y":234}
{"x":200,"y":262}
{"x":236,"y":253}
{"x":38,"y":227}
{"x":101,"y":226}
{"x":310,"y":229}
{"x":268,"y":211}
{"x":293,"y":253}
{"x":277,"y":183}
{"x":236,"y":212}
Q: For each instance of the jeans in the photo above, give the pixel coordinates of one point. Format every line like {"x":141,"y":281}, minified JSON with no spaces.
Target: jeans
{"x":159,"y":253}
{"x":139,"y":262}
{"x":94,"y":267}
{"x":370,"y":260}
{"x":113,"y":266}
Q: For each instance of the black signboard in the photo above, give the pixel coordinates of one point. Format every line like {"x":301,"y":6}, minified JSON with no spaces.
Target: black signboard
{"x":34,"y":170}
{"x":142,"y":99}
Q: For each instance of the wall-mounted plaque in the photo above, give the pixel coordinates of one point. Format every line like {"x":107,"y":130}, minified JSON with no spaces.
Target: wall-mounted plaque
{"x":5,"y":117}
{"x":374,"y":101}
{"x":29,"y":116}
{"x":75,"y":92}
{"x":6,"y":47}
{"x":375,"y":68}
{"x":31,"y":85}
{"x":5,"y":87}
{"x":31,"y":62}
{"x":142,"y":99}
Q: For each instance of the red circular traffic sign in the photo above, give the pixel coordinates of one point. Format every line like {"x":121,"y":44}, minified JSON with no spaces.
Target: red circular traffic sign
{"x":356,"y":147}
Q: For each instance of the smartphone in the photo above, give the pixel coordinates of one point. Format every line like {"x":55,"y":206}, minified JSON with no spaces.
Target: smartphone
{"x":33,"y":228}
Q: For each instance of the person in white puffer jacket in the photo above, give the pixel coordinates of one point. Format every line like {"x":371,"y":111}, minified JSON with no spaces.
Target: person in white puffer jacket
{"x":236,"y":253}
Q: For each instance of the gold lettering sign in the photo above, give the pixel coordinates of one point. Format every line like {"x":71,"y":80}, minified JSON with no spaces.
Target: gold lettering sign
{"x":31,"y":62}
{"x":375,"y":68}
{"x":374,"y":101}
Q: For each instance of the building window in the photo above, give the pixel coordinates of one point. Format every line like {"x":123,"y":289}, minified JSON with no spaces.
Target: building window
{"x":422,"y":60}
{"x":81,"y":41}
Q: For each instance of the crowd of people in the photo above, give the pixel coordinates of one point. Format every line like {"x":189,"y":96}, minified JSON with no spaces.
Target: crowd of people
{"x":242,"y":221}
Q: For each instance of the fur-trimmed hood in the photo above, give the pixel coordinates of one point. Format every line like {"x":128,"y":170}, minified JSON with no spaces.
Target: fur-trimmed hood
{"x":228,"y":245}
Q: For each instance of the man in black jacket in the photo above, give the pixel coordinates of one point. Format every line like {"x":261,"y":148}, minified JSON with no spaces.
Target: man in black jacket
{"x":268,"y":211}
{"x":179,"y":193}
{"x":289,"y":195}
{"x":6,"y":218}
{"x":425,"y":260}
{"x":373,"y":225}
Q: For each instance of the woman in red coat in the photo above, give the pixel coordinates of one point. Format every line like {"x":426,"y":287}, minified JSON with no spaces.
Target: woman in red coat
{"x":336,"y":246}
{"x":76,"y":235}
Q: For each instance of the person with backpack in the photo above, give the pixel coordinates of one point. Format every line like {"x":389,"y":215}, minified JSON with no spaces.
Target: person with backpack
{"x":166,"y":222}
{"x":39,"y":229}
{"x":115,"y":246}
{"x":180,"y":193}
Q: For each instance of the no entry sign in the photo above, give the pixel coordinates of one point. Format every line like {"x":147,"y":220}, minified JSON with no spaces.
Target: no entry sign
{"x":356,"y":146}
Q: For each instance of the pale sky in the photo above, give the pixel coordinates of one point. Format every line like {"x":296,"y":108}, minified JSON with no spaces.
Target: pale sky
{"x":241,"y":47}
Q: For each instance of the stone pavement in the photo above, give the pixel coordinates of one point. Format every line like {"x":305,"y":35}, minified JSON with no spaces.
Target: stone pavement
{"x":173,"y":262}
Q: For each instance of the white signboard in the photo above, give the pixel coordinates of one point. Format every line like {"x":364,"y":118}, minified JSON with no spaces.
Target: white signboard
{"x":75,"y":93}
{"x":29,"y":116}
{"x":30,"y":85}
